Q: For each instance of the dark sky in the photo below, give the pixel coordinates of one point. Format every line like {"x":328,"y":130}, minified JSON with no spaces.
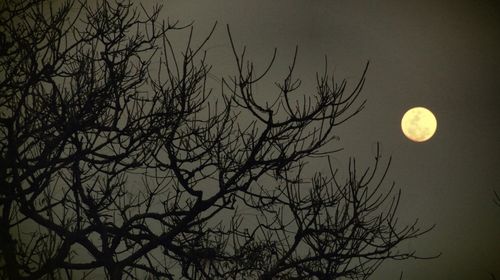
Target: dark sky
{"x":443,"y":55}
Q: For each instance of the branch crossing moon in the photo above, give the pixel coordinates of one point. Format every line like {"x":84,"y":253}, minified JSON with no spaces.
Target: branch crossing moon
{"x":419,"y":124}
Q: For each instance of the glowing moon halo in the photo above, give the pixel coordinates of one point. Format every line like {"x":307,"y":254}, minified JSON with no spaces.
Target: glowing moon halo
{"x":419,"y":124}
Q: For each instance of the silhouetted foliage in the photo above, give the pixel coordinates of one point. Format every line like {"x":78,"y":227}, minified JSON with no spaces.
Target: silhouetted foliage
{"x":117,"y":158}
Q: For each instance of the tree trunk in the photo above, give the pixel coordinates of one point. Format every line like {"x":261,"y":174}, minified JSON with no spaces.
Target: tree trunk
{"x":9,"y":253}
{"x":115,"y":272}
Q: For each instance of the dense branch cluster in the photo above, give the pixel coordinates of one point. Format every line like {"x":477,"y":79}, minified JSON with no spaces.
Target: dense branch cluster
{"x":117,"y":159}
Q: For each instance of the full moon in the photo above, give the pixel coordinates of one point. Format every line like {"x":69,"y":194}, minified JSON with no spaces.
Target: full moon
{"x":419,"y":124}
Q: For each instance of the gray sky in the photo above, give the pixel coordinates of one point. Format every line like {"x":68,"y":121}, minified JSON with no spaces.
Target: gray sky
{"x":443,"y":55}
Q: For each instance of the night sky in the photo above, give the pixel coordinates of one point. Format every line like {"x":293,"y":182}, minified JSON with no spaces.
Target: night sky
{"x":443,"y":55}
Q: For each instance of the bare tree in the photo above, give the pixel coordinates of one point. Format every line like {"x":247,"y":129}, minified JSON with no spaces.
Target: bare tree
{"x":113,"y":164}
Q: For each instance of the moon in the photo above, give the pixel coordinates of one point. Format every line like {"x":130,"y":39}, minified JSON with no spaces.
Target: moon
{"x":419,"y":124}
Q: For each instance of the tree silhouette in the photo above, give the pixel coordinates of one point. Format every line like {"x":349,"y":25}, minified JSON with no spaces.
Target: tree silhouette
{"x":117,"y":158}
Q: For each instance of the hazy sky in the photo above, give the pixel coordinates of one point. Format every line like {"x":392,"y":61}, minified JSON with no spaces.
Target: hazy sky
{"x":444,"y":55}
